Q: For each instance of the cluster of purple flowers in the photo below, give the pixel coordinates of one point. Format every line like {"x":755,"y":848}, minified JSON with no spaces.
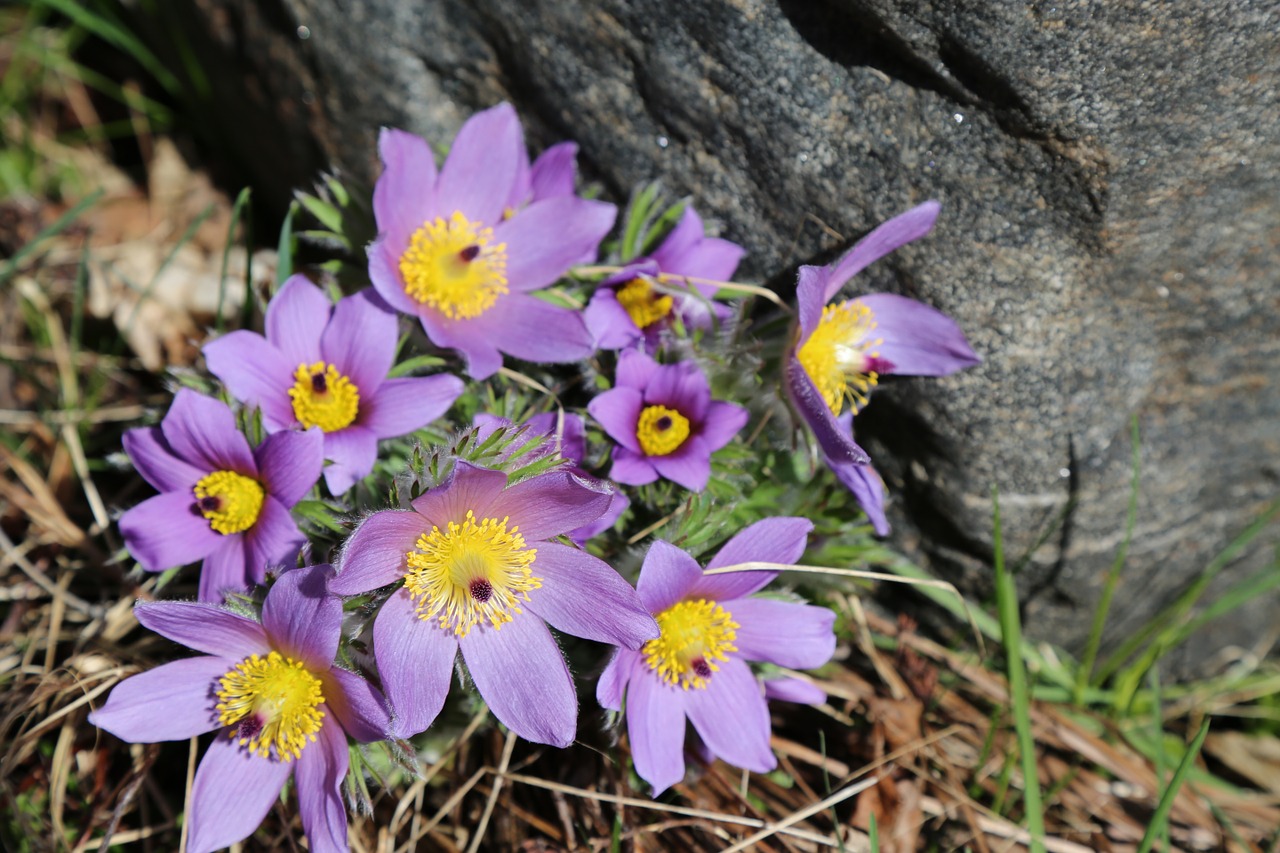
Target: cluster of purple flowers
{"x":484,"y":562}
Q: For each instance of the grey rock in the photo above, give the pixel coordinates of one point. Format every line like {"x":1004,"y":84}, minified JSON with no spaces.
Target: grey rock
{"x":1110,"y":227}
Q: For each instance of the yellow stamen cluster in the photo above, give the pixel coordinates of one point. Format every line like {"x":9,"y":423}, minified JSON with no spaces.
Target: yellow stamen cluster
{"x":838,"y":353}
{"x":453,"y":266}
{"x":661,"y":430}
{"x":323,"y":397}
{"x":470,"y":573}
{"x":231,"y":501}
{"x":695,"y":634}
{"x":271,"y":701}
{"x":643,"y":304}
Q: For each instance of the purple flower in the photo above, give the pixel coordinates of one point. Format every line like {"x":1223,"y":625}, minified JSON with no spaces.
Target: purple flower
{"x":844,"y":348}
{"x":272,"y":692}
{"x":568,"y":436}
{"x":698,"y":667}
{"x":664,"y":421}
{"x":220,"y":501}
{"x":453,"y":252}
{"x":325,"y":366}
{"x":481,"y":574}
{"x":634,"y":305}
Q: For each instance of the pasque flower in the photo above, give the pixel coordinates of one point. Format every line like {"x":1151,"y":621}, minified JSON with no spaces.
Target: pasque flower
{"x":481,"y":574}
{"x":453,"y":251}
{"x":664,"y":421}
{"x":642,"y":299}
{"x":698,"y":668}
{"x":843,"y":348}
{"x":273,"y":695}
{"x":325,"y":365}
{"x":567,"y":435}
{"x":220,"y":500}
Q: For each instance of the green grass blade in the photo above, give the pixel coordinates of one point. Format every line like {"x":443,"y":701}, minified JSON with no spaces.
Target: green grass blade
{"x":115,"y":34}
{"x":56,"y":228}
{"x":284,"y":266}
{"x":1019,"y":695}
{"x":1160,"y":820}
{"x":241,"y":200}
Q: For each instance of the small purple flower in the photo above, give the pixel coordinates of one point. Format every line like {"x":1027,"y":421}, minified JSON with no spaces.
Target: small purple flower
{"x":455,"y":253}
{"x":641,"y":300}
{"x":664,"y":421}
{"x":844,"y":348}
{"x":481,"y":574}
{"x":325,"y":366}
{"x":220,"y":501}
{"x":698,"y":667}
{"x":568,"y":436}
{"x":272,"y":692}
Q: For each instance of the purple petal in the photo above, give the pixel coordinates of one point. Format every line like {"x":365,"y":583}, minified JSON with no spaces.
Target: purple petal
{"x":322,"y":767}
{"x":918,"y":340}
{"x":809,"y":642}
{"x":155,"y":461}
{"x":898,"y":231}
{"x":836,"y":441}
{"x":534,"y":330}
{"x":302,"y":618}
{"x":475,"y":342}
{"x":415,"y":660}
{"x":655,"y":725}
{"x":552,"y":503}
{"x":403,"y":198}
{"x":682,"y":387}
{"x":567,"y":433}
{"x":401,"y":406}
{"x":289,"y":463}
{"x":234,"y":790}
{"x":203,"y":431}
{"x":712,"y":259}
{"x":296,"y":317}
{"x":610,"y":325}
{"x":521,"y":674}
{"x":771,"y":540}
{"x":635,"y":370}
{"x":582,"y":596}
{"x":612,"y":683}
{"x":811,"y":287}
{"x":548,"y":237}
{"x":617,"y":507}
{"x":360,"y":341}
{"x":794,"y":690}
{"x":274,"y":540}
{"x":468,"y":487}
{"x":690,"y":466}
{"x":668,"y":574}
{"x":618,"y":411}
{"x":481,"y":168}
{"x":358,"y":705}
{"x":225,"y":570}
{"x":255,"y":373}
{"x":351,"y":453}
{"x":204,"y":627}
{"x":374,"y":555}
{"x":167,"y":531}
{"x":554,"y":171}
{"x":722,"y":422}
{"x":868,"y":488}
{"x":682,"y":239}
{"x":384,"y":274}
{"x":732,"y":718}
{"x":631,"y":468}
{"x":171,"y":702}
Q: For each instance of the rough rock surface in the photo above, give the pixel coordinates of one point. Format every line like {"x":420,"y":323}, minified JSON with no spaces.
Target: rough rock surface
{"x":1111,"y":222}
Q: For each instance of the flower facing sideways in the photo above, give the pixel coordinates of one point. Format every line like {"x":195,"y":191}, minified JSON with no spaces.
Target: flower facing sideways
{"x":644,"y":298}
{"x":220,"y":501}
{"x":844,"y":348}
{"x":453,"y":252}
{"x":326,"y":366}
{"x":664,"y":421}
{"x":480,"y":574}
{"x":273,"y":695}
{"x":698,"y":668}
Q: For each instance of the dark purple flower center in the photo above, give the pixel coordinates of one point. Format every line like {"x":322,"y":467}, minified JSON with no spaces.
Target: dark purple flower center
{"x":250,"y":726}
{"x":662,"y":424}
{"x":701,"y":667}
{"x":469,"y":253}
{"x":318,"y":383}
{"x":210,"y":503}
{"x":481,"y":590}
{"x":875,"y":364}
